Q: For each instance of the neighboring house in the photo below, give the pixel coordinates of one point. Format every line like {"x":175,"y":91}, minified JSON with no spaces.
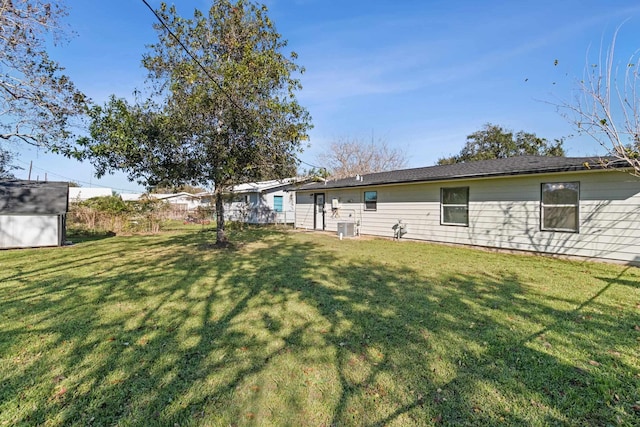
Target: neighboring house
{"x":80,"y":194}
{"x":180,"y":204}
{"x":182,"y":201}
{"x":553,"y":205}
{"x":33,"y":214}
{"x":265,"y":202}
{"x":131,"y":197}
{"x":207,"y":199}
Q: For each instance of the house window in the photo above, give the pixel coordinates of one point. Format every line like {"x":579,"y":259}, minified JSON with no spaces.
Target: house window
{"x":454,"y":206}
{"x":370,"y":200}
{"x":240,"y":198}
{"x":277,"y":203}
{"x":559,"y":206}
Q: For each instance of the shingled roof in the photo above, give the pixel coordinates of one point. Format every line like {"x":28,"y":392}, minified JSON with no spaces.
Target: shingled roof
{"x":522,"y":165}
{"x":29,"y":197}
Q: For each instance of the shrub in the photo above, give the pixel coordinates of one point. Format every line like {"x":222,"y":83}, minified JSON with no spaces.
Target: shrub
{"x":112,"y":214}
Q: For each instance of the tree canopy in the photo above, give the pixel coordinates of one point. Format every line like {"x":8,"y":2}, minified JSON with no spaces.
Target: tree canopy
{"x":349,"y":157}
{"x":37,"y":100}
{"x":221,"y":110}
{"x":495,"y":142}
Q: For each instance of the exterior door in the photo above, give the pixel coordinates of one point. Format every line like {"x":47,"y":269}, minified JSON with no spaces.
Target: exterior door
{"x":318,"y":213}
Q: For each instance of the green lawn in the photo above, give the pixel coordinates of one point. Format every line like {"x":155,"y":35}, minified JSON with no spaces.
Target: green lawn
{"x":301,"y":329}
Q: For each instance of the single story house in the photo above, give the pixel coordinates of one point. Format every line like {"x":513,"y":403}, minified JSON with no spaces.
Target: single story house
{"x":179,"y":202}
{"x":569,"y":206}
{"x":177,"y":205}
{"x":80,"y":194}
{"x":131,"y":197}
{"x":264,"y":202}
{"x":33,"y":214}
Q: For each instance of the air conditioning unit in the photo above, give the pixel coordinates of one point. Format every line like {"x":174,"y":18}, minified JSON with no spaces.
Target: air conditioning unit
{"x":346,"y":229}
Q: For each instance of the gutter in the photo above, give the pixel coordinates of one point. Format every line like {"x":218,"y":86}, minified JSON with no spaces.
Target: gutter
{"x":363,"y":183}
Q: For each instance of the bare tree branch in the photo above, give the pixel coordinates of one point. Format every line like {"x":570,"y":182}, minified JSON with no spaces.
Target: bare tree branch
{"x":350,"y":157}
{"x":36,"y":99}
{"x":607,"y":105}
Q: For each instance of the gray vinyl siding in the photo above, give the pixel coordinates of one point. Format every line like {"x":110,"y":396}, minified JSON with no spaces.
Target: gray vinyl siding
{"x":503,"y":213}
{"x":304,"y":210}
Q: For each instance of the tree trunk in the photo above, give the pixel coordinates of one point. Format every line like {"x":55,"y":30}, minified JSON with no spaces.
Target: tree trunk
{"x":221,"y":237}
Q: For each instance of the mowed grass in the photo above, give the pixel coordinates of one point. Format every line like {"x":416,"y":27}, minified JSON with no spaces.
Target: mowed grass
{"x":301,"y":329}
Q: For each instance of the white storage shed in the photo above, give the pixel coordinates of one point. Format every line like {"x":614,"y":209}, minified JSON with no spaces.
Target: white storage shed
{"x":33,"y":214}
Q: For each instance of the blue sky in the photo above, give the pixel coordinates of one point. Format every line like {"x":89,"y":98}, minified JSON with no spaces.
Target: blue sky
{"x":421,"y":75}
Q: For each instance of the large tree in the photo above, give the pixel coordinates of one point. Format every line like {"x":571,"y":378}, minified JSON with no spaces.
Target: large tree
{"x":37,"y":100}
{"x":495,"y":142}
{"x":606,"y":106}
{"x":222,"y":110}
{"x":349,"y":157}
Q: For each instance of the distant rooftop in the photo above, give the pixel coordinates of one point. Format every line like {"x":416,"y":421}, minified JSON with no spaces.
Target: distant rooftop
{"x":78,"y":194}
{"x":257,"y":187}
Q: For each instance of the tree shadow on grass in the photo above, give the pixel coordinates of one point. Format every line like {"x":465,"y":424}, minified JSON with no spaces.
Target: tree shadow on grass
{"x":82,"y":236}
{"x":457,"y":365}
{"x":281,"y":331}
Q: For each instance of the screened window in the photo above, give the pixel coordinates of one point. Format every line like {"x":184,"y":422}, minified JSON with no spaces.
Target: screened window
{"x":370,"y":200}
{"x":454,"y":205}
{"x":559,"y":206}
{"x":277,"y":203}
{"x":240,"y":198}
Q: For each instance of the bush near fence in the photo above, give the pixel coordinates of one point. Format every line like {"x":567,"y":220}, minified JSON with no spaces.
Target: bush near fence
{"x":112,"y":214}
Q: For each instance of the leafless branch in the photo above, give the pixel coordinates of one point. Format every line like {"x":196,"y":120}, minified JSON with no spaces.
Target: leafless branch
{"x":36,"y":99}
{"x":607,"y":105}
{"x":349,"y":157}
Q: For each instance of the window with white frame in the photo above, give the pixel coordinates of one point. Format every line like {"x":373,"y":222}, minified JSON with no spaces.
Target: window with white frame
{"x":370,"y":200}
{"x":559,"y":206}
{"x":454,"y":206}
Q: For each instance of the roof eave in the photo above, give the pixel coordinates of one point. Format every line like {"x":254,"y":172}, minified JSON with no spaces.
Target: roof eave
{"x":566,"y":168}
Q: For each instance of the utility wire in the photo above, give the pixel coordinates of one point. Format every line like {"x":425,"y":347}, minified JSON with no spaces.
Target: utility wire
{"x":188,"y":52}
{"x":313,"y":166}
{"x":206,"y":72}
{"x":79,"y":181}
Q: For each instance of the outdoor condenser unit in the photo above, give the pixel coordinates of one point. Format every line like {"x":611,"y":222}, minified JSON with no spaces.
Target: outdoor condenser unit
{"x":346,"y":229}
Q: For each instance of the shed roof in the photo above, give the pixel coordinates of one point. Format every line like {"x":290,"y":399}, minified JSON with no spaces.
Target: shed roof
{"x":29,"y":197}
{"x":521,"y":165}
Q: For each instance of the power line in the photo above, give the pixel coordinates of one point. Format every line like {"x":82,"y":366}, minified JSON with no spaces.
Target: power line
{"x":188,"y":52}
{"x":206,"y":72}
{"x":79,"y":181}
{"x":313,"y":166}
